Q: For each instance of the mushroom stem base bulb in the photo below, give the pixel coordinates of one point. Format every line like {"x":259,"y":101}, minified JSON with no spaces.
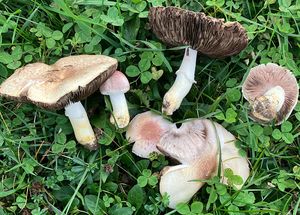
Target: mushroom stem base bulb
{"x":81,"y":125}
{"x":183,"y":83}
{"x":266,"y":107}
{"x":120,"y":114}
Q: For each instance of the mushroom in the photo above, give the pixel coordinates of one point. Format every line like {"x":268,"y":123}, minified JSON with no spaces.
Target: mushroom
{"x":62,"y":85}
{"x":272,"y":92}
{"x":115,"y":86}
{"x":145,"y":130}
{"x":195,"y":146}
{"x":201,"y":33}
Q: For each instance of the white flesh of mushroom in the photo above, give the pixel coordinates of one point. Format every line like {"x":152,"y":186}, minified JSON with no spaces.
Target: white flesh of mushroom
{"x":185,"y":77}
{"x":276,"y":96}
{"x":267,"y":106}
{"x":81,"y":125}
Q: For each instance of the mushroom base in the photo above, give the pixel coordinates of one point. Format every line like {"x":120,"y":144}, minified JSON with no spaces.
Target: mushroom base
{"x":81,"y":125}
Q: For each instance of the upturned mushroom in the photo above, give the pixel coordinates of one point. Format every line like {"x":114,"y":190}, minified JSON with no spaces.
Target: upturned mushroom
{"x":195,"y":146}
{"x":207,"y":35}
{"x":145,"y":130}
{"x":115,"y":87}
{"x":62,"y":85}
{"x":272,"y":92}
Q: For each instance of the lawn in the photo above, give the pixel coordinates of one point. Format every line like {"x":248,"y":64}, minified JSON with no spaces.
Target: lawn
{"x":43,"y":169}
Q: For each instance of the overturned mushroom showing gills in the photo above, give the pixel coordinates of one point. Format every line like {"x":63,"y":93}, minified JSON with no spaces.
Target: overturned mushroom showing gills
{"x":62,"y":85}
{"x":196,"y":145}
{"x":115,"y":87}
{"x":145,"y":130}
{"x":210,"y":36}
{"x":272,"y":92}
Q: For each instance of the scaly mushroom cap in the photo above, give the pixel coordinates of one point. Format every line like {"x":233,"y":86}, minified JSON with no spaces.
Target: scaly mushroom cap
{"x":70,"y":79}
{"x":145,"y":130}
{"x":116,"y":83}
{"x":208,"y":35}
{"x":263,"y":78}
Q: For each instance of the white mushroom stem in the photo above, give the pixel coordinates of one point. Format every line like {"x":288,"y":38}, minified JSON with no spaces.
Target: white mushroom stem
{"x":276,"y":96}
{"x":183,"y":83}
{"x":120,"y":113}
{"x":81,"y":125}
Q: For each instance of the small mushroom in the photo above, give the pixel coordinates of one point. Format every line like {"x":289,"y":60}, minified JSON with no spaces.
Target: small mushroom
{"x":115,"y":86}
{"x":145,"y":130}
{"x":210,"y":36}
{"x":195,"y":146}
{"x":62,"y":85}
{"x":272,"y":92}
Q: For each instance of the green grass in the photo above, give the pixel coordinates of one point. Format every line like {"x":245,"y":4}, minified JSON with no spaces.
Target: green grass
{"x":43,"y":171}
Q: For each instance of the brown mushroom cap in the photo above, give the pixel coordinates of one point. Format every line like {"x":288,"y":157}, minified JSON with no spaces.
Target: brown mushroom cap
{"x":264,"y":77}
{"x":210,"y":36}
{"x":70,"y":79}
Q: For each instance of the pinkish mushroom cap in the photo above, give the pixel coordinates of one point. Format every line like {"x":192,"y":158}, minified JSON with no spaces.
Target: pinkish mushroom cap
{"x":115,"y":84}
{"x":272,"y":92}
{"x":145,"y":130}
